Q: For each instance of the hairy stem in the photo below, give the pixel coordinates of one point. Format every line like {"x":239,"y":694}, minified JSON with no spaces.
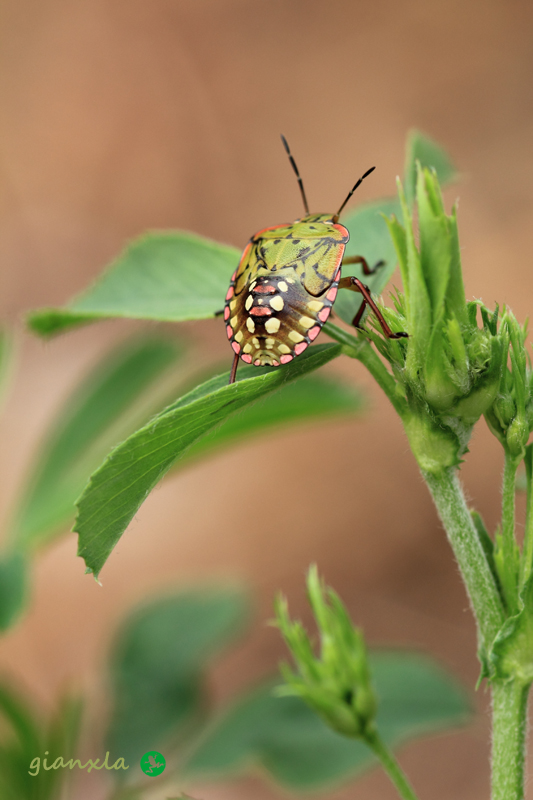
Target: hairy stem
{"x":509,"y":713}
{"x":509,"y":559}
{"x":481,"y":587}
{"x":527,"y":550}
{"x":391,"y":766}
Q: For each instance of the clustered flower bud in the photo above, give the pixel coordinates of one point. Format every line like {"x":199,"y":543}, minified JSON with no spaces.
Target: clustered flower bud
{"x":336,"y":684}
{"x":449,"y":369}
{"x":510,"y":417}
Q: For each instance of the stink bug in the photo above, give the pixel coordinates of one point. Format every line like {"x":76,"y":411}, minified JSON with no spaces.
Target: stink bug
{"x":282,"y":292}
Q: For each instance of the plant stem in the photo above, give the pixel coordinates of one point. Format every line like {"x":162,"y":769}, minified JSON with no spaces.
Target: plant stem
{"x":391,"y":766}
{"x":509,"y":553}
{"x":527,"y":549}
{"x":509,"y":711}
{"x":481,"y":587}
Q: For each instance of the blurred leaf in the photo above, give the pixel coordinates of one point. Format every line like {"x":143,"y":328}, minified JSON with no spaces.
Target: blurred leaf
{"x":168,"y":277}
{"x":288,"y":740}
{"x":13,"y":587}
{"x":430,"y":154}
{"x":369,"y":237}
{"x":314,"y":397}
{"x":129,"y":793}
{"x":22,"y":740}
{"x":5,"y":359}
{"x":117,"y":490}
{"x":95,"y":417}
{"x":61,"y":741}
{"x":25,"y":737}
{"x":158,"y":666}
{"x":181,"y":797}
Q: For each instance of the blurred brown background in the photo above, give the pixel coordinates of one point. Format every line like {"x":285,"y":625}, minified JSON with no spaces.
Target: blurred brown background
{"x":121,"y":115}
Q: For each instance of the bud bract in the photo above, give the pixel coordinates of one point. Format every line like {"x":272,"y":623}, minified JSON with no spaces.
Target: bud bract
{"x":449,"y":369}
{"x":336,"y":684}
{"x":510,"y":416}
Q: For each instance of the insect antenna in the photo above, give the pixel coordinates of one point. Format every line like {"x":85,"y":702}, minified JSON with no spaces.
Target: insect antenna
{"x":295,"y":168}
{"x":359,"y":182}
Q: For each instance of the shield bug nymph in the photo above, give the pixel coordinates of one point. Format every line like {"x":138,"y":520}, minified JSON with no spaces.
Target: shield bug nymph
{"x":282,"y":292}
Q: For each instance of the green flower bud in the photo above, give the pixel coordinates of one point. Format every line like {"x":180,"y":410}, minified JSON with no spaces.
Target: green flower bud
{"x":449,"y":368}
{"x":510,"y":416}
{"x":517,"y":436}
{"x":337,"y":684}
{"x":484,"y":381}
{"x":435,"y":447}
{"x":505,"y":410}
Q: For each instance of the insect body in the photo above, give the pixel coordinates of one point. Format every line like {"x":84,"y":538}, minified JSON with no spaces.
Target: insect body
{"x":283,"y":289}
{"x":282,"y":292}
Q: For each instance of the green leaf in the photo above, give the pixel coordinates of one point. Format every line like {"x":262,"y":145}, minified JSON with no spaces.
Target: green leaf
{"x":167,"y":277}
{"x":430,"y":154}
{"x":118,"y":489}
{"x":314,"y":397}
{"x":284,"y":737}
{"x":13,"y":587}
{"x":179,"y":276}
{"x":512,"y":651}
{"x":175,"y":276}
{"x":487,"y":544}
{"x":368,"y":238}
{"x":101,"y":411}
{"x":158,"y":666}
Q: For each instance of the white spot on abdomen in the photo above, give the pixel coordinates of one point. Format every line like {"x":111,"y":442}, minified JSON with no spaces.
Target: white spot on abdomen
{"x":272,"y":325}
{"x":277,"y":303}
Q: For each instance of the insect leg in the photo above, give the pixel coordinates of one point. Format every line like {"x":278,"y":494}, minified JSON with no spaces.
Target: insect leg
{"x":219,"y":313}
{"x":234,"y":368}
{"x":360,"y":260}
{"x":355,"y":285}
{"x":358,"y":317}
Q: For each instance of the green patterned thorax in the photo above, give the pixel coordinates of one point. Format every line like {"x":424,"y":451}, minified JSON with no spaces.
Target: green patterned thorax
{"x":283,"y":289}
